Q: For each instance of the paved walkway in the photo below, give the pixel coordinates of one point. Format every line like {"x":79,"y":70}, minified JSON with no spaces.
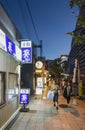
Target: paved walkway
{"x":43,"y":116}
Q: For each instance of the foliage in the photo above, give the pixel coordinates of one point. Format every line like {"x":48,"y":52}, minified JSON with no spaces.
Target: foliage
{"x":78,"y":38}
{"x":81,"y":21}
{"x":79,"y":3}
{"x":55,"y":69}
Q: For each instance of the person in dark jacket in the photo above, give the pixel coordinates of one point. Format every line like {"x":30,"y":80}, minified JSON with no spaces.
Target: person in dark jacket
{"x":64,"y":90}
{"x":67,"y":92}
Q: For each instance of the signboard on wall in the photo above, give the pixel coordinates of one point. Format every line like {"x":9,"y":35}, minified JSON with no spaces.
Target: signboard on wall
{"x":10,"y":46}
{"x":7,"y":45}
{"x":18,"y":53}
{"x":2,"y":40}
{"x":26,"y":47}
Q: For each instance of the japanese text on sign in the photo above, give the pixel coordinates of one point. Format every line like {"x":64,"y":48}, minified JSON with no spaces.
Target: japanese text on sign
{"x":26,"y":51}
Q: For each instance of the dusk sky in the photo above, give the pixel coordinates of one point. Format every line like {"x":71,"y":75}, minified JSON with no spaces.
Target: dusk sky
{"x":51,"y":20}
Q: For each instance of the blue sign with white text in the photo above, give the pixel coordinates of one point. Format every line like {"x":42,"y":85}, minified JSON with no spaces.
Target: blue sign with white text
{"x":10,"y":46}
{"x":24,"y":98}
{"x":27,"y":55}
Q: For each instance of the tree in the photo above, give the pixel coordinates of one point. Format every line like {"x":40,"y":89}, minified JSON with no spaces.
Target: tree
{"x":55,"y":69}
{"x":78,"y":34}
{"x":79,"y":3}
{"x":78,"y":38}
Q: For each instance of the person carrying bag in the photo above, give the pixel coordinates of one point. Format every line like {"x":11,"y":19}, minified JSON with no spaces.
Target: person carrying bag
{"x":50,"y":95}
{"x":56,"y":92}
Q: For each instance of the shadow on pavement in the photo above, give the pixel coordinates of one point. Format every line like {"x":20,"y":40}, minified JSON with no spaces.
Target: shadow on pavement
{"x":32,"y":111}
{"x":72,"y":110}
{"x":63,"y":106}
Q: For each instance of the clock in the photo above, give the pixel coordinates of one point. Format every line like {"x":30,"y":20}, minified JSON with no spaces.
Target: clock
{"x":38,"y":64}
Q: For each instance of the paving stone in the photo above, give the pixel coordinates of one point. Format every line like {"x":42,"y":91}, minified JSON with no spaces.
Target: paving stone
{"x":42,"y":115}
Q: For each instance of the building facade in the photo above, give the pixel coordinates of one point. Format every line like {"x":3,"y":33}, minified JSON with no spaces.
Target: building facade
{"x":9,"y":70}
{"x":77,"y":53}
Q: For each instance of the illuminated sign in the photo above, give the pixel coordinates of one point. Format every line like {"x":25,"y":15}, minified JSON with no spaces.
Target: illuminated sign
{"x":26,"y":47}
{"x":39,"y":65}
{"x":38,"y":71}
{"x":10,"y":46}
{"x":39,"y":85}
{"x":24,"y":96}
{"x":39,"y":82}
{"x":7,"y":45}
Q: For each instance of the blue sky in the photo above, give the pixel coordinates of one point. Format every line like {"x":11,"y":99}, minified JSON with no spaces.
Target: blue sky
{"x":52,"y":20}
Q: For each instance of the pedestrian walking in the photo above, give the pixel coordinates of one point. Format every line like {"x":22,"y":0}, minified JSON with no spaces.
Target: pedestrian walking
{"x":67,"y":92}
{"x":64,"y":90}
{"x":55,"y":89}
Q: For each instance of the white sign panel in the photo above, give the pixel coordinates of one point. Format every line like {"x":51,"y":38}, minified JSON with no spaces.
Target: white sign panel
{"x":25,"y":91}
{"x":25,"y":44}
{"x":39,"y":85}
{"x":39,"y":82}
{"x":39,"y":65}
{"x":18,"y":53}
{"x":38,"y":90}
{"x":2,"y":40}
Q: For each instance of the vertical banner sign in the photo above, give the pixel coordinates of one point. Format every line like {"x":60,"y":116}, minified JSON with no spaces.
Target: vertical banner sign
{"x":10,"y":46}
{"x":39,"y":85}
{"x":74,"y":72}
{"x":39,"y":82}
{"x":26,"y":47}
{"x":18,"y":53}
{"x":24,"y":96}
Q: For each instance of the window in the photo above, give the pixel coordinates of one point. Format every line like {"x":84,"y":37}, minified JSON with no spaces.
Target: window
{"x":2,"y":88}
{"x":13,"y":85}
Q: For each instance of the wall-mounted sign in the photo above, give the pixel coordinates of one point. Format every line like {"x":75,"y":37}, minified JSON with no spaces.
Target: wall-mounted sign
{"x":7,"y":45}
{"x":26,"y":47}
{"x":39,"y":65}
{"x":2,"y":40}
{"x":10,"y":46}
{"x":18,"y":53}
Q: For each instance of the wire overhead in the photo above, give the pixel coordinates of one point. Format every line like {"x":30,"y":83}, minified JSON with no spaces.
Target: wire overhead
{"x":9,"y":7}
{"x":32,"y":20}
{"x":30,"y":14}
{"x":23,"y":19}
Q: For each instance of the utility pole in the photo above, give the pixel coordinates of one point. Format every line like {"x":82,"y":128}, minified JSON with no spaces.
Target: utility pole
{"x":39,"y":46}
